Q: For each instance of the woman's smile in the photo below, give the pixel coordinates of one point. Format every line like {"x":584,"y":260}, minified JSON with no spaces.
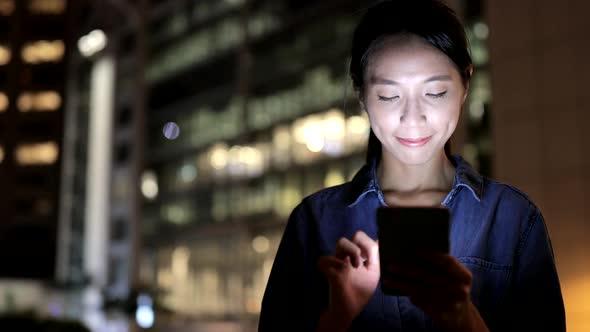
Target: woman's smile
{"x":414,"y":142}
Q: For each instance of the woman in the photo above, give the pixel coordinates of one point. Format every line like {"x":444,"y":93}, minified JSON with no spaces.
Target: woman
{"x":411,"y":69}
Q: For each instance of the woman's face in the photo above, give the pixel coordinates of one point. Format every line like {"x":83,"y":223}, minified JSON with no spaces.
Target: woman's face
{"x":413,"y":95}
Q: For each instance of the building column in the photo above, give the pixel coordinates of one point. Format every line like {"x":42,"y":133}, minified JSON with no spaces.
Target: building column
{"x":539,"y":65}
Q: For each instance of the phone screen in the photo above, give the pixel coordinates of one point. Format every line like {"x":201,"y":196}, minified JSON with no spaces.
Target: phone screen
{"x":404,"y":231}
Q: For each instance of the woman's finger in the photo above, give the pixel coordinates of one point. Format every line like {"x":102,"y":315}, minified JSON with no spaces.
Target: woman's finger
{"x":368,"y":246}
{"x":331,"y":266}
{"x":325,"y":262}
{"x":346,"y":248}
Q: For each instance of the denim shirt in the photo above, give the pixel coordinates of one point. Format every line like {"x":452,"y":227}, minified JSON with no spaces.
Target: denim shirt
{"x":496,"y":232}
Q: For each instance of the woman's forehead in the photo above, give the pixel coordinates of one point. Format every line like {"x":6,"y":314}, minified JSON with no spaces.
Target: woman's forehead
{"x":409,"y":58}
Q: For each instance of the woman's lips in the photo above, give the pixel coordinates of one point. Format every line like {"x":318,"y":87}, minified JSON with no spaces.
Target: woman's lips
{"x":414,"y":143}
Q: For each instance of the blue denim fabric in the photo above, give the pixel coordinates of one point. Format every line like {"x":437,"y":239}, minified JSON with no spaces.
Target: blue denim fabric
{"x":496,"y":232}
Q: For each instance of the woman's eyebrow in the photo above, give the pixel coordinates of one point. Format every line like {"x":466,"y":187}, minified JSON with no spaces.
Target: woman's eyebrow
{"x":385,"y":81}
{"x":438,"y":78}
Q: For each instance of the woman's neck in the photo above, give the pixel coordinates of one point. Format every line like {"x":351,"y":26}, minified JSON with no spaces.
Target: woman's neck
{"x":435,"y":175}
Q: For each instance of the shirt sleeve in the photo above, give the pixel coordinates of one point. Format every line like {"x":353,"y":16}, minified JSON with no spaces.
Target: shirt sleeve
{"x":534,"y":301}
{"x":294,"y":295}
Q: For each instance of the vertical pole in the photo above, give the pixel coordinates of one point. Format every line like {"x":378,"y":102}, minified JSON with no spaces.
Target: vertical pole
{"x":138,"y":150}
{"x":68,"y":170}
{"x":99,"y":170}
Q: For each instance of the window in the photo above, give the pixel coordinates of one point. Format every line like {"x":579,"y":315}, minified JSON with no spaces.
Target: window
{"x":334,"y":177}
{"x":42,"y":101}
{"x":37,"y":154}
{"x":4,"y":102}
{"x":43,"y":51}
{"x":179,"y":213}
{"x":6,"y":7}
{"x":50,"y":7}
{"x":5,"y":55}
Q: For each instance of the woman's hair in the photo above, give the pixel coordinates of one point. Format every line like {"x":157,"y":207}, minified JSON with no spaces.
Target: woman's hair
{"x":431,"y":20}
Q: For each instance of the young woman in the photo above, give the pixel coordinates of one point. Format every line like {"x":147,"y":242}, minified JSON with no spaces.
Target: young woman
{"x":411,"y":69}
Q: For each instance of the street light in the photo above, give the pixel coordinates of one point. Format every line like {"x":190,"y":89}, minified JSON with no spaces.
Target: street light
{"x":92,"y":43}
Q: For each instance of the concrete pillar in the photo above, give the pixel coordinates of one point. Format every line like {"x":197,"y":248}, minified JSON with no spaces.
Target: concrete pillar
{"x":539,"y":55}
{"x":98,"y":177}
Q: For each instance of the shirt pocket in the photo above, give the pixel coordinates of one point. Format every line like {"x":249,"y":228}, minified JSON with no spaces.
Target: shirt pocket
{"x":489,"y":284}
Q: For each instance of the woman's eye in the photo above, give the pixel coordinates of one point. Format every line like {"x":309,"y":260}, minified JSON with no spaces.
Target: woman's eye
{"x":388,"y":98}
{"x":437,"y":95}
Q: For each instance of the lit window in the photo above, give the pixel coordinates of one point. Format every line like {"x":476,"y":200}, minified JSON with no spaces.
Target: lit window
{"x":149,"y":185}
{"x":357,"y":125}
{"x":1,"y":154}
{"x":25,"y":102}
{"x":165,"y":278}
{"x":180,"y":259}
{"x":260,"y":244}
{"x":334,"y":127}
{"x":48,"y":100}
{"x":39,"y":101}
{"x":6,"y":7}
{"x":187,"y":173}
{"x":480,"y":30}
{"x":218,"y":158}
{"x":357,"y":131}
{"x":308,"y":131}
{"x":281,"y":142}
{"x":3,"y":102}
{"x":37,"y":154}
{"x":176,"y":213}
{"x":334,"y":177}
{"x":5,"y":55}
{"x":51,"y":7}
{"x":43,"y":51}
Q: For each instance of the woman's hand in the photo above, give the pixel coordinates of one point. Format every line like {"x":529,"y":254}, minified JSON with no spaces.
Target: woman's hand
{"x":353,"y":274}
{"x":441,"y":286}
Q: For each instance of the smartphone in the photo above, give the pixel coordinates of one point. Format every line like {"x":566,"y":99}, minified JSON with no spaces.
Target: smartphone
{"x":404,"y":231}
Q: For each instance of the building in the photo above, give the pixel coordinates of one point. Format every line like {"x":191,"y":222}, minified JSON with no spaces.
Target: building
{"x":34,"y":39}
{"x":539,"y":53}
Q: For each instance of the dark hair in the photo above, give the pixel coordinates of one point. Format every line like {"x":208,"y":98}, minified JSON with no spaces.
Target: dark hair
{"x":430,"y":20}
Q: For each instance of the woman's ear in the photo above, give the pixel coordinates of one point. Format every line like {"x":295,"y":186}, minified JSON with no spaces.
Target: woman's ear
{"x":361,"y":100}
{"x":467,"y":83}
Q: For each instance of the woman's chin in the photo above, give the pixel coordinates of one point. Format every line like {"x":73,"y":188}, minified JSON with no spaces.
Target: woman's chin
{"x":413,"y":156}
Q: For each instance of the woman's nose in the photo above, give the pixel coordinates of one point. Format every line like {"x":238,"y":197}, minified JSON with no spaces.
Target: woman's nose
{"x":412,"y":114}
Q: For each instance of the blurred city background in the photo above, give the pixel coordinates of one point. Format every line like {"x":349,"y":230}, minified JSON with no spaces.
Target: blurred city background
{"x":151,"y":151}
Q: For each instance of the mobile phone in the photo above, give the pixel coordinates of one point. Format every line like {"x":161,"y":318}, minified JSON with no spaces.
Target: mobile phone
{"x":405,"y":231}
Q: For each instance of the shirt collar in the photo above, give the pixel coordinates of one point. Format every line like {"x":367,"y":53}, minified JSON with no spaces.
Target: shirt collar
{"x":365,"y":180}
